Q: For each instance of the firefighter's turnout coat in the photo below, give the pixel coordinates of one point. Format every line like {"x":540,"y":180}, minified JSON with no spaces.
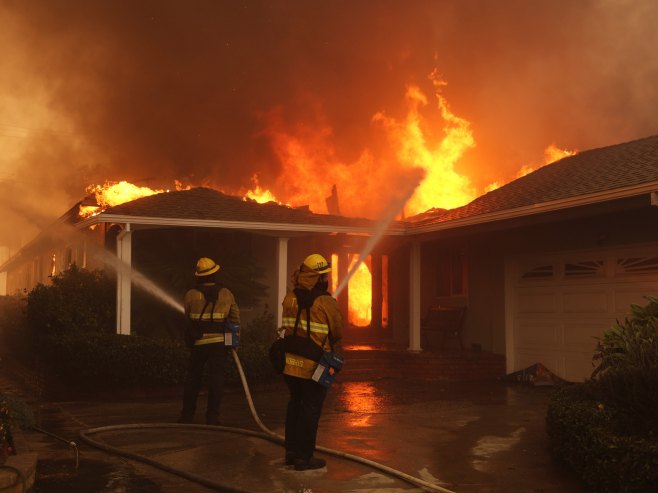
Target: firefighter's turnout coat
{"x":207,"y":308}
{"x":326,"y":322}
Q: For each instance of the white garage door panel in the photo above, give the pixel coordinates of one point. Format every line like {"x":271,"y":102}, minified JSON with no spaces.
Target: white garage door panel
{"x":539,"y":332}
{"x":538,"y":301}
{"x":586,"y":301}
{"x":582,"y":335}
{"x":626,"y":295}
{"x":556,"y":313}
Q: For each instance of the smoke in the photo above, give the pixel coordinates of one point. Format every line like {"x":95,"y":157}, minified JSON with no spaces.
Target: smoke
{"x":151,"y":90}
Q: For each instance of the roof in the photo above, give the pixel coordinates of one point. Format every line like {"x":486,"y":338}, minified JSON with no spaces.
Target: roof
{"x":591,"y":176}
{"x":206,"y":206}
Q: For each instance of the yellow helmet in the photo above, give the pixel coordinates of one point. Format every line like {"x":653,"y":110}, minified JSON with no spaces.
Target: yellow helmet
{"x":205,"y":266}
{"x":317,"y":263}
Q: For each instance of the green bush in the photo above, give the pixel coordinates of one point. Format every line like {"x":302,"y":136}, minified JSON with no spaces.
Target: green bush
{"x":102,"y":360}
{"x":14,"y":335}
{"x":627,"y":374}
{"x":78,"y":300}
{"x":73,"y":322}
{"x":605,"y":428}
{"x":13,"y":413}
{"x":632,"y":344}
{"x":634,"y":393}
{"x":580,"y":430}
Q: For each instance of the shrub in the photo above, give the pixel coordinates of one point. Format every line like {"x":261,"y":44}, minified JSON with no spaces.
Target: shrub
{"x":73,"y":320}
{"x":605,"y":428}
{"x":581,"y":432}
{"x":96,"y":359}
{"x":14,"y":336}
{"x":78,"y":300}
{"x":634,"y":393}
{"x":627,"y":375}
{"x":630,"y":345}
{"x":13,"y":412}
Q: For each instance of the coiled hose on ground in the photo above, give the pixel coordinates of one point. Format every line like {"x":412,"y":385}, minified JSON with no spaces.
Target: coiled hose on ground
{"x":266,"y":434}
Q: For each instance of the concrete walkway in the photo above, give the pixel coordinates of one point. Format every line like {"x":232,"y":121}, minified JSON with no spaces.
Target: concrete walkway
{"x":484,"y":436}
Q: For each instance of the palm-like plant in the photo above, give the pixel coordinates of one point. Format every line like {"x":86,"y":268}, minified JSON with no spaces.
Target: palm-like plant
{"x":631,"y":345}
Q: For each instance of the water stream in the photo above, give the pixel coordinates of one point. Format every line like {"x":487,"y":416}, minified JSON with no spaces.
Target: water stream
{"x":390,"y":213}
{"x":68,"y":232}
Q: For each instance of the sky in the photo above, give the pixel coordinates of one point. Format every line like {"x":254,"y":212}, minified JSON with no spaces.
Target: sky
{"x":201,"y":91}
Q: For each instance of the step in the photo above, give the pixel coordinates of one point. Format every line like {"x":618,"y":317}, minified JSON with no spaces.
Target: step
{"x":381,"y":362}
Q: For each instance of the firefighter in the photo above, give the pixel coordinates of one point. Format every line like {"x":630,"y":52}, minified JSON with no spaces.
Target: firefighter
{"x":208,"y":307}
{"x":310,"y":302}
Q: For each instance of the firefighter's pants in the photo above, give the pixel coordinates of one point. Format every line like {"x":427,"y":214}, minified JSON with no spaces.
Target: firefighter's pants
{"x":212,"y":357}
{"x":303,"y":416}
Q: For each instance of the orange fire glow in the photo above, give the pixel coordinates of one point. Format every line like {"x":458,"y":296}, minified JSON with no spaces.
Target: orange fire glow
{"x":442,"y":185}
{"x":114,"y":193}
{"x":359,"y":293}
{"x":416,"y":143}
{"x":259,"y":194}
{"x":428,"y":140}
{"x":361,"y":402}
{"x":551,"y":154}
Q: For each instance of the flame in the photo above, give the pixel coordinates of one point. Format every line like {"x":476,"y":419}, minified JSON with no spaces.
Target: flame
{"x":114,"y":193}
{"x":431,"y":145}
{"x":359,"y":293}
{"x":442,"y":186}
{"x":259,"y":194}
{"x":552,"y":153}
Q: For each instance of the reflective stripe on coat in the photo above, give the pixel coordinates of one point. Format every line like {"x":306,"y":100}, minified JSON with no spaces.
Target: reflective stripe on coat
{"x":225,"y":309}
{"x":325,"y":319}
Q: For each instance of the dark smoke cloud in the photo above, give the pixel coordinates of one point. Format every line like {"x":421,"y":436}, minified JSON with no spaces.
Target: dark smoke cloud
{"x":152,"y":91}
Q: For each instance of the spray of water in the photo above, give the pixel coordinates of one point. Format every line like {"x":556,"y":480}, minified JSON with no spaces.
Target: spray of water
{"x":393,"y":209}
{"x":140,"y":279}
{"x":67,"y":232}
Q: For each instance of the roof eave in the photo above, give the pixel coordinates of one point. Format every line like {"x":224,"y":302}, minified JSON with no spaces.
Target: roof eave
{"x":544,"y":207}
{"x":210,"y":223}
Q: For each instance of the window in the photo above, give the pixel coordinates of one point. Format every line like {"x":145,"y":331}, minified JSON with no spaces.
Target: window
{"x":541,"y":272}
{"x":580,"y":270}
{"x":452,"y":274}
{"x":637,"y":265}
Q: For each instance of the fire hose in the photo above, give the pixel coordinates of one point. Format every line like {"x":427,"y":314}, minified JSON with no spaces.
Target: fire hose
{"x":266,"y":434}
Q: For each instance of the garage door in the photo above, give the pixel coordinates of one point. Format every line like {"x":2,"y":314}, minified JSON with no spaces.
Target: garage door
{"x":558,"y":304}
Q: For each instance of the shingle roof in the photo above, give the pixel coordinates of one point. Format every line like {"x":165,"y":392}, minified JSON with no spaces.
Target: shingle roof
{"x":213,"y":205}
{"x":589,"y":172}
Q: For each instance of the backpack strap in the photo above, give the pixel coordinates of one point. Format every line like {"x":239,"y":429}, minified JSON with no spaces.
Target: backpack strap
{"x":308,"y":319}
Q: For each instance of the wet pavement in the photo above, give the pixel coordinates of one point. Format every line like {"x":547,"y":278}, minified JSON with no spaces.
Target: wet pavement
{"x":485,"y":436}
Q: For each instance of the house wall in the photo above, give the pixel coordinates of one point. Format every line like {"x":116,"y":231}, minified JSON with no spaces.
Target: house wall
{"x":399,"y":293}
{"x":487,"y":253}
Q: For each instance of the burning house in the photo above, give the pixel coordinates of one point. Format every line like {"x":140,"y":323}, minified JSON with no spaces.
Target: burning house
{"x":543,"y":264}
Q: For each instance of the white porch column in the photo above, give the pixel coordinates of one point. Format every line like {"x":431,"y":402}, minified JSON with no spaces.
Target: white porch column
{"x":282,"y":277}
{"x":124,"y":261}
{"x":414,"y":297}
